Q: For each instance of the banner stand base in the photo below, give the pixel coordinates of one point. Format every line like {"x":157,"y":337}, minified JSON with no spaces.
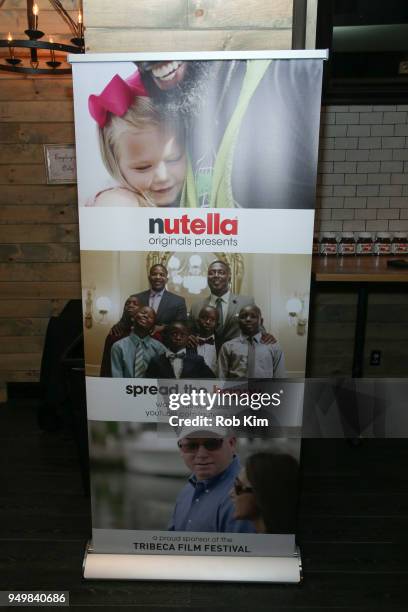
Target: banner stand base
{"x":97,"y":566}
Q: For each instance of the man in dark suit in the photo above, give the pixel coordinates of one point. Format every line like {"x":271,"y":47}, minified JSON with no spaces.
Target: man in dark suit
{"x":227,"y":304}
{"x":177,"y":362}
{"x":167,"y":306}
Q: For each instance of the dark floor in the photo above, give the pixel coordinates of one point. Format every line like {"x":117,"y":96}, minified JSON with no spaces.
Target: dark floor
{"x":353,"y":529}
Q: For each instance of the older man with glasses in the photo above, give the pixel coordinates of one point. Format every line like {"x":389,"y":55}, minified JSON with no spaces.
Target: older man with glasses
{"x":204,"y":504}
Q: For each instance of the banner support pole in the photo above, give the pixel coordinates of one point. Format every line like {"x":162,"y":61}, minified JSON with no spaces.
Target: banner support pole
{"x":99,"y":566}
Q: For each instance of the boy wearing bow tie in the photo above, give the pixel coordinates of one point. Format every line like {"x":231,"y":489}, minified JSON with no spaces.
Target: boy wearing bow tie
{"x":176,"y":362}
{"x":206,"y":325}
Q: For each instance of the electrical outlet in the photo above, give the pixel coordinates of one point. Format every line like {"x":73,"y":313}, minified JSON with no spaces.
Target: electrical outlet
{"x":375,"y":358}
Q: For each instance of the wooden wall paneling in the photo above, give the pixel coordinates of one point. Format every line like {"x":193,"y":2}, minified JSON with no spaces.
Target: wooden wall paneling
{"x":39,"y":251}
{"x":41,"y":88}
{"x":240,"y":14}
{"x":24,"y":174}
{"x":38,"y":111}
{"x":30,"y":308}
{"x":187,"y":25}
{"x":44,"y":133}
{"x":26,"y":153}
{"x":17,"y":344}
{"x":38,"y":194}
{"x":141,"y":14}
{"x":124,"y":40}
{"x":31,"y":234}
{"x":20,"y":361}
{"x":39,"y":272}
{"x":68,"y":290}
{"x":38,"y":214}
{"x":17,"y":376}
{"x":23,"y":327}
{"x":185,"y":14}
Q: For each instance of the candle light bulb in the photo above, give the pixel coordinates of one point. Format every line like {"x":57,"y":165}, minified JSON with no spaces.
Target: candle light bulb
{"x":35,"y":13}
{"x":52,"y":52}
{"x":11,"y":48}
{"x":80,"y":26}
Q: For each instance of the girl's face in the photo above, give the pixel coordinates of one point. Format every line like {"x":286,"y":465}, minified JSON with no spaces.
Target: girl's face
{"x":153,"y":163}
{"x":244,"y":499}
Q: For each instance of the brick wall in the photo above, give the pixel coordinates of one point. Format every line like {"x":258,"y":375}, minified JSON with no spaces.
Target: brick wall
{"x":362,"y":174}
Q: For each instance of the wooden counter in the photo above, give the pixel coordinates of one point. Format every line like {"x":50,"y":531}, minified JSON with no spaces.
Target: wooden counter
{"x":364,"y":274}
{"x":368,"y":269}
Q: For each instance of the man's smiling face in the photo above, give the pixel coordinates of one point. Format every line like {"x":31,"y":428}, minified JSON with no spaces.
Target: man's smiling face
{"x":218,"y":277}
{"x":165,"y":75}
{"x":177,"y":86}
{"x":158,"y":277}
{"x":206,"y":463}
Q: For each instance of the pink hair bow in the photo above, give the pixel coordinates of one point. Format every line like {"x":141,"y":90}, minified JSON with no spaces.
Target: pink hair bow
{"x":116,"y":98}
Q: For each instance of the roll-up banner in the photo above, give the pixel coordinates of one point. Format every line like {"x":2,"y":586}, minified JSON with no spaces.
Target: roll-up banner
{"x":196,"y":188}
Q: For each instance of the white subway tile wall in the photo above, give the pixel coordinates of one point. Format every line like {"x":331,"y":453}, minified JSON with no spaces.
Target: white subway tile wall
{"x":362,"y":182}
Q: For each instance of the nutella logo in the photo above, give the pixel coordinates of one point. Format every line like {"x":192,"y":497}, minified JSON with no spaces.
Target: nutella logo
{"x":213,"y":224}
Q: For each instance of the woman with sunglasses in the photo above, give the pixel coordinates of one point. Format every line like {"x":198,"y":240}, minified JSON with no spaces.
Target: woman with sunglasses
{"x":265,"y":492}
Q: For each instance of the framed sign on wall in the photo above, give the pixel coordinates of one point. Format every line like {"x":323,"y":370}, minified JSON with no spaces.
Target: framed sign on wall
{"x":60,"y":164}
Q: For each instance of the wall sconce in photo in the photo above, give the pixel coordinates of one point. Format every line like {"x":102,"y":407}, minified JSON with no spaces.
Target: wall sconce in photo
{"x":88,"y":309}
{"x":294,"y":308}
{"x":95,"y":310}
{"x":103,"y":306}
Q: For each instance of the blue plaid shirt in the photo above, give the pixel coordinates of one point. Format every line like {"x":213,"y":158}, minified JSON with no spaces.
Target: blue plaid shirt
{"x":205,"y":505}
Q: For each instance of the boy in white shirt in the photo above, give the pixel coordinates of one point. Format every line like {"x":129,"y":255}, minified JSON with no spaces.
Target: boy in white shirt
{"x":246,"y":356}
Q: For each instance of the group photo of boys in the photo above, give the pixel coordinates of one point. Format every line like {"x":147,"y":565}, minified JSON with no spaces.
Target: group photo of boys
{"x":198,"y":321}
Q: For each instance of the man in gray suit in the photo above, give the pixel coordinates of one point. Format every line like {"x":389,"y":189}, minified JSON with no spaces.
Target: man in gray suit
{"x":227,"y":304}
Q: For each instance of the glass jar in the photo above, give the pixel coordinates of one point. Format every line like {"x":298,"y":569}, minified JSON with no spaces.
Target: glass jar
{"x":365,"y":244}
{"x":328,"y":244}
{"x":347,"y":244}
{"x":382,"y":245}
{"x":399,"y":244}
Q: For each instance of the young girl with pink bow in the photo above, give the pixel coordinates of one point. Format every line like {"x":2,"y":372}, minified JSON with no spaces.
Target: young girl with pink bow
{"x":142,"y":149}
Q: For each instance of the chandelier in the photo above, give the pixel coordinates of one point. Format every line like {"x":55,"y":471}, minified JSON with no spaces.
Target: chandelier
{"x":40,"y":64}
